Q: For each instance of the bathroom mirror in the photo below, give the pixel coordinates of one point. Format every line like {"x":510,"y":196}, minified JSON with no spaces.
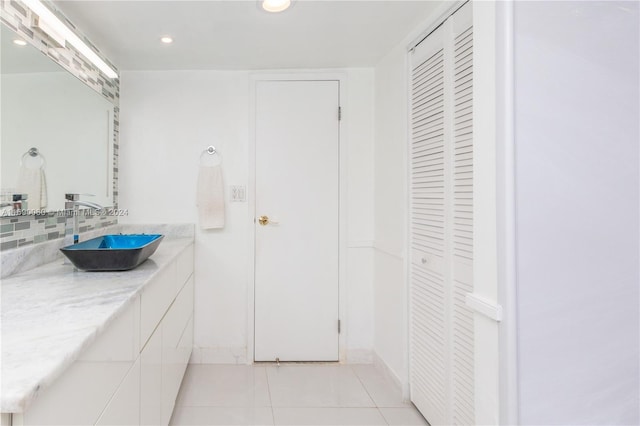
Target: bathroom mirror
{"x":68,"y":123}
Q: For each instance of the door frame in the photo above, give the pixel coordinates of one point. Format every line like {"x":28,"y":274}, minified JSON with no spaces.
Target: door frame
{"x":311,"y":75}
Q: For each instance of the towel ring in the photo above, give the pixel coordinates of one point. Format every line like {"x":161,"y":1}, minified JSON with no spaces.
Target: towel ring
{"x":33,"y":152}
{"x":211,"y":150}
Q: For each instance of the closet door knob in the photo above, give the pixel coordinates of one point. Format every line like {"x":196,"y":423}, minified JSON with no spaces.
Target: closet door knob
{"x":424,"y":260}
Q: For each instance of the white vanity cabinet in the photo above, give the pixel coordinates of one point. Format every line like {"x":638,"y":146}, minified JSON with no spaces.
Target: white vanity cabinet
{"x":151,"y":380}
{"x":82,"y":392}
{"x":165,"y":355}
{"x":124,"y":406}
{"x":132,"y":372}
{"x":177,"y":343}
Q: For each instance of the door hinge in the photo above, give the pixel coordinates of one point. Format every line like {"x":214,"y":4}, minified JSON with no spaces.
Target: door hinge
{"x":339,"y":113}
{"x":338,"y":326}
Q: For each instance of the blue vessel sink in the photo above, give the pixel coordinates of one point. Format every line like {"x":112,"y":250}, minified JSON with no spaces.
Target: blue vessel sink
{"x":112,"y":252}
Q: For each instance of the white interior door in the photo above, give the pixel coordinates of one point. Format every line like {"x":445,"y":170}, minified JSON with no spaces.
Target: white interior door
{"x":296,"y":251}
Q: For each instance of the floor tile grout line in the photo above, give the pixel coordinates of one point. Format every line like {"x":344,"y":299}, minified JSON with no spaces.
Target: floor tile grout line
{"x":289,"y":407}
{"x":273,"y":415}
{"x":226,"y":407}
{"x":343,"y":368}
{"x":359,"y":407}
{"x":375,"y":404}
{"x":386,"y":384}
{"x":370,"y":396}
{"x":361,"y":379}
{"x":383,"y":416}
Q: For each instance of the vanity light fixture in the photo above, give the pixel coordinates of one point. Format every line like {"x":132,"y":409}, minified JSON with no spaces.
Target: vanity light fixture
{"x":166,"y":39}
{"x":19,"y":42}
{"x":50,"y":23}
{"x":275,"y":6}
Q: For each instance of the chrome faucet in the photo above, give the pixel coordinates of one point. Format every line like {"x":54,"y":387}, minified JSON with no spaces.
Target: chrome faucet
{"x":19,"y":202}
{"x":72,"y":208}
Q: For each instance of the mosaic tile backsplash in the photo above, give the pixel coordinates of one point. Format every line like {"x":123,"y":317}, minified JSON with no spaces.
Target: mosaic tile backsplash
{"x":20,"y":231}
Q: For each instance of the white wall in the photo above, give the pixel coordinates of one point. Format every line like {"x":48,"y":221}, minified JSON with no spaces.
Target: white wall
{"x":577,"y":179}
{"x":168,"y":118}
{"x":390,"y":341}
{"x":359,"y":117}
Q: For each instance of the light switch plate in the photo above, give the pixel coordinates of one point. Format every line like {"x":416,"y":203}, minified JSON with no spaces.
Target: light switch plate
{"x":238,"y":193}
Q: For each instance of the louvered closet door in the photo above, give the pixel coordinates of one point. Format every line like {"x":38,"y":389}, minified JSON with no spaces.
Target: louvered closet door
{"x":462,"y":409}
{"x":441,"y":153}
{"x":428,"y":281}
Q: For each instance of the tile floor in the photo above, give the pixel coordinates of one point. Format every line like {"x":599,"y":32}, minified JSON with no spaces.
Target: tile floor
{"x":291,"y":394}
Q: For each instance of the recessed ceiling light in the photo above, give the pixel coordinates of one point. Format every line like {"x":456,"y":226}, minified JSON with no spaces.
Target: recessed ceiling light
{"x":19,"y":42}
{"x":276,"y":5}
{"x":166,"y":40}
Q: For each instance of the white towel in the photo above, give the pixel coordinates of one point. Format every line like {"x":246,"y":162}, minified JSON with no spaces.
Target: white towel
{"x":32,"y":181}
{"x":210,"y":197}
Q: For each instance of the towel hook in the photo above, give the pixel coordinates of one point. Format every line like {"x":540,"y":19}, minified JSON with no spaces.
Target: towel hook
{"x":33,"y":153}
{"x":211,"y":150}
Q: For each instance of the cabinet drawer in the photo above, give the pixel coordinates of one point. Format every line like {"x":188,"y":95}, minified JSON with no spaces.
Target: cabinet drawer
{"x":78,"y":397}
{"x":120,"y":341}
{"x":178,"y":316}
{"x":173,"y":327}
{"x":124,"y":407}
{"x":151,"y":380}
{"x":155,"y":300}
{"x":184,"y":267}
{"x":185,"y":346}
{"x":174,"y":364}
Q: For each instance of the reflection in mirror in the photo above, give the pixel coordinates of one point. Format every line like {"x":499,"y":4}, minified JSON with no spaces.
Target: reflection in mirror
{"x":69,"y":124}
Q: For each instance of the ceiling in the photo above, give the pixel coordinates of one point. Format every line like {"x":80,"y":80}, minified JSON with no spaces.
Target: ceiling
{"x":238,"y":34}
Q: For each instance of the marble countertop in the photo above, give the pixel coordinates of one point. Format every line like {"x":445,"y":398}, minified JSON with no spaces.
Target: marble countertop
{"x":50,"y":314}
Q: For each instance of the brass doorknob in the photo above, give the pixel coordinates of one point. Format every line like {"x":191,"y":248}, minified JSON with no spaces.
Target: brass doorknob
{"x":263,"y":220}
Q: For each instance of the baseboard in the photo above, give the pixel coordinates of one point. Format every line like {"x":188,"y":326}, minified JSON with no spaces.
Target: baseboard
{"x":359,"y":356}
{"x":237,"y":355}
{"x":222,"y":355}
{"x":384,"y":369}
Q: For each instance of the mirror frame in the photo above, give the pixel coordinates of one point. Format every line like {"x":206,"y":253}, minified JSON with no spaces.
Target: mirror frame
{"x":21,"y":230}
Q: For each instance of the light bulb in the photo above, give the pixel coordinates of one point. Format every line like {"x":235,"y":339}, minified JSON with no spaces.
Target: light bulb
{"x":276,"y":5}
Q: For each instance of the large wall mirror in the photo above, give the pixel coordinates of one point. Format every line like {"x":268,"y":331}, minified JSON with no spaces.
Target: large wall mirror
{"x":56,"y":133}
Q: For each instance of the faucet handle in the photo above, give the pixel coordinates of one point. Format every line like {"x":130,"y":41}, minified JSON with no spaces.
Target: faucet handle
{"x":76,"y":197}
